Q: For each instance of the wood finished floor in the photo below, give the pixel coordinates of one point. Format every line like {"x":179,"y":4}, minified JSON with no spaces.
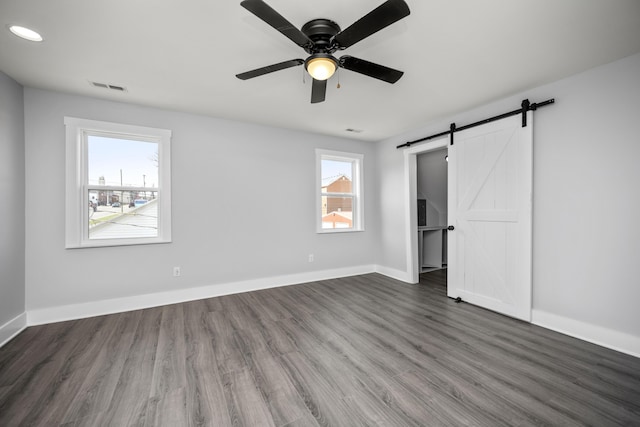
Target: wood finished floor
{"x":365,"y":350}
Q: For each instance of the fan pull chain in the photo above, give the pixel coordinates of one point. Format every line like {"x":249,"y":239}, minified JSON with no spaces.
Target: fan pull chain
{"x":338,"y":72}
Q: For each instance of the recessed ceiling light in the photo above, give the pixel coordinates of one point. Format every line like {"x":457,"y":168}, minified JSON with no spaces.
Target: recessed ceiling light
{"x":25,"y":33}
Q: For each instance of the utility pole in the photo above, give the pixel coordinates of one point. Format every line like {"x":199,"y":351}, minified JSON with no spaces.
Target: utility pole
{"x":121,"y":198}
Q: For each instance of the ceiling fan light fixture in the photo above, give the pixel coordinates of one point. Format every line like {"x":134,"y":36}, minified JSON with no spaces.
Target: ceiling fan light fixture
{"x":321,"y":66}
{"x":25,"y":33}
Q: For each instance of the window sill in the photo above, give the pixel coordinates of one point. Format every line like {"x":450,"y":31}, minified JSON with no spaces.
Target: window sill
{"x":339,"y":230}
{"x":116,"y":242}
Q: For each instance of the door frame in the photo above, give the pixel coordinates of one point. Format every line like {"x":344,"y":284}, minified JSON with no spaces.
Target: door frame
{"x":411,"y":201}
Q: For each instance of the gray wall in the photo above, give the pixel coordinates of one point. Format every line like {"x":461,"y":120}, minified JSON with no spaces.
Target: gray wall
{"x":243,"y":207}
{"x":12,"y":223}
{"x":586,"y":233}
{"x":432,"y":183}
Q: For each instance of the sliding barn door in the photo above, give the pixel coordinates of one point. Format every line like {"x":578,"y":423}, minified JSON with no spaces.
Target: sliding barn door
{"x":490,"y":186}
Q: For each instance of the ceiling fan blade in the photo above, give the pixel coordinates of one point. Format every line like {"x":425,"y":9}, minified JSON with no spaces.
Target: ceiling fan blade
{"x":382,"y":16}
{"x":277,"y":21}
{"x":269,"y":69}
{"x":370,"y":69}
{"x":318,"y":91}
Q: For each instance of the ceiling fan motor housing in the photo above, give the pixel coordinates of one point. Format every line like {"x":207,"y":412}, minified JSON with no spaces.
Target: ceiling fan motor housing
{"x":321,"y":32}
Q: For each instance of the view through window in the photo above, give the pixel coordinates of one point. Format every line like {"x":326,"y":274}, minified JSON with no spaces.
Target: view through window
{"x":337,"y":197}
{"x":340,"y":193}
{"x":122,"y":188}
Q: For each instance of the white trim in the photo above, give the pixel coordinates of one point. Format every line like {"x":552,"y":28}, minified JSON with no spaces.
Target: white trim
{"x":618,"y":341}
{"x":605,"y":337}
{"x":12,"y":328}
{"x":411,"y":203}
{"x":357,"y":185}
{"x":394,"y":274}
{"x":118,"y":305}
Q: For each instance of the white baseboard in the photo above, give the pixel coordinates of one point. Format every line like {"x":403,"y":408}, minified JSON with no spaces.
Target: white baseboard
{"x":393,"y":273}
{"x":41,"y":316}
{"x":12,"y":328}
{"x":609,"y":338}
{"x":599,"y":335}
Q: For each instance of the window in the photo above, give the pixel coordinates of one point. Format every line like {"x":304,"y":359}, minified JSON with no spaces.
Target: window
{"x":339,"y":191}
{"x":118,"y":184}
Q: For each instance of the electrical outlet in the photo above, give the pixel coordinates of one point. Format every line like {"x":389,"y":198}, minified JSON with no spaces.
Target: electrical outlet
{"x":310,"y":257}
{"x":176,"y":271}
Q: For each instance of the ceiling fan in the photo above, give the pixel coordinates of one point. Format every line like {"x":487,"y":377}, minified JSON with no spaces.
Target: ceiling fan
{"x":320,"y":38}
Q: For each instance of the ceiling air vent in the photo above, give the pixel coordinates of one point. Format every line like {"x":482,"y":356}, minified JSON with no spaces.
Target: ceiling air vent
{"x":108,"y":86}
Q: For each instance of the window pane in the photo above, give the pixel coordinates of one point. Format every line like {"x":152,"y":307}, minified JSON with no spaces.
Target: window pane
{"x":337,"y":176}
{"x":122,"y":162}
{"x":337,"y":212}
{"x":122,"y":214}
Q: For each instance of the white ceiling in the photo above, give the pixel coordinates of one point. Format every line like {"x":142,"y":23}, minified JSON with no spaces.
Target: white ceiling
{"x":183,"y":55}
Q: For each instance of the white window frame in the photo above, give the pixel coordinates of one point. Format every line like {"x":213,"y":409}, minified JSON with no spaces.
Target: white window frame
{"x":357,"y":194}
{"x":77,"y":185}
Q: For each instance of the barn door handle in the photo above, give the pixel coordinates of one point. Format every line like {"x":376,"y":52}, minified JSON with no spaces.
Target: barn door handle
{"x":451,"y":228}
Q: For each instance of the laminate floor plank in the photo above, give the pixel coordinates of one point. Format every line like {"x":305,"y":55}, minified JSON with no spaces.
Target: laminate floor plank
{"x":215,"y":304}
{"x":168,"y":409}
{"x":306,"y":421}
{"x":271,"y":380}
{"x":93,"y":420}
{"x":53,"y":378}
{"x":451,"y":406}
{"x":266,"y":307}
{"x":224,"y":343}
{"x":76,"y":367}
{"x":371,"y":354}
{"x":130,"y":398}
{"x":362,"y":350}
{"x":366,"y":394}
{"x":205,"y":396}
{"x":296,"y":300}
{"x":266,"y":338}
{"x":169,"y":370}
{"x":97,"y":387}
{"x":28,"y":340}
{"x":323,"y":395}
{"x":299,"y":335}
{"x":246,"y":405}
{"x":43,"y":342}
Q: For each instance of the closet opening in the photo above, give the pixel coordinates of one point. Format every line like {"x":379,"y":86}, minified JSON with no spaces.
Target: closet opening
{"x":426,"y":169}
{"x":431,"y":193}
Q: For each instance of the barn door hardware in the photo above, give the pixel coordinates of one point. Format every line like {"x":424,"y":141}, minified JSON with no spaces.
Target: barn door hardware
{"x":524,"y":107}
